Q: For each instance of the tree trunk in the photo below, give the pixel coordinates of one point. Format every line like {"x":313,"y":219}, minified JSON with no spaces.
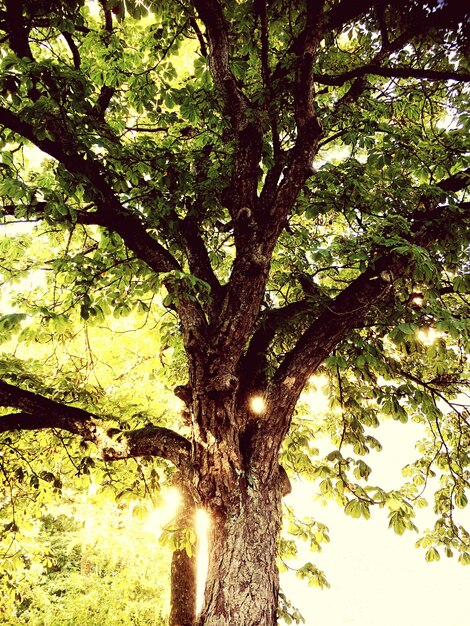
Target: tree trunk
{"x":242,"y":579}
{"x":184,"y":568}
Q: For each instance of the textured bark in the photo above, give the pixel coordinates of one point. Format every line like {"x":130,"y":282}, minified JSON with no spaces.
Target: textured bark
{"x":242,"y":581}
{"x":184,"y":569}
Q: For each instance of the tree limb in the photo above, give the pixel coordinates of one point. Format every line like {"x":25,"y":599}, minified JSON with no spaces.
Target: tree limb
{"x":303,"y":85}
{"x":345,"y":11}
{"x":420,"y":25}
{"x":392,"y":72}
{"x":211,"y":14}
{"x":38,"y":412}
{"x":348,"y":309}
{"x":111,"y":213}
{"x":17,"y":30}
{"x":342,"y":314}
{"x":242,"y":190}
{"x":73,"y":49}
{"x":255,"y":358}
{"x":309,"y":131}
{"x":198,"y":257}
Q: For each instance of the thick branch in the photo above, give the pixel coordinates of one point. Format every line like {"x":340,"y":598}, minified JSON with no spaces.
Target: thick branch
{"x":347,"y":311}
{"x":392,"y":72}
{"x":303,"y":101}
{"x":344,"y":313}
{"x":346,"y":11}
{"x":38,"y":412}
{"x":198,"y":256}
{"x":242,"y":298}
{"x":309,"y":130}
{"x":242,"y":192}
{"x":41,"y":412}
{"x":73,"y":49}
{"x":420,"y":25}
{"x":211,"y":14}
{"x":456,"y":182}
{"x":110,"y":212}
{"x":17,"y":29}
{"x":255,"y":359}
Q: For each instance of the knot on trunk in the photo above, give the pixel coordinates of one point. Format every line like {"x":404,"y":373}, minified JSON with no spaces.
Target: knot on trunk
{"x":184,"y":393}
{"x":221,"y":386}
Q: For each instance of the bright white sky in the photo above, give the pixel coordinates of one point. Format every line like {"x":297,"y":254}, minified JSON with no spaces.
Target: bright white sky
{"x":378,"y":578}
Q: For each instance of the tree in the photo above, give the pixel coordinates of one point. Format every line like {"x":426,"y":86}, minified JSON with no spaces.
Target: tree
{"x":287,"y":180}
{"x":98,"y":569}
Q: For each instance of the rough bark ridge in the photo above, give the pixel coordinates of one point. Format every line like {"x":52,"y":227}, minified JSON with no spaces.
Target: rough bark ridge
{"x":229,"y":464}
{"x":242,"y":582}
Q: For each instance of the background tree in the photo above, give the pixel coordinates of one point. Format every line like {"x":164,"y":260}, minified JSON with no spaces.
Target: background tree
{"x":286,"y":179}
{"x":104,"y":565}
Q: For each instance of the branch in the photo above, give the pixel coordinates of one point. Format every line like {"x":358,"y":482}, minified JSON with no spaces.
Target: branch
{"x":39,"y":412}
{"x":349,"y":308}
{"x":50,"y":414}
{"x":73,"y":49}
{"x":211,"y":14}
{"x":344,"y":313}
{"x":309,"y":131}
{"x":111,"y":213}
{"x":334,"y":19}
{"x":106,"y":92}
{"x":202,"y":44}
{"x":103,"y":101}
{"x":255,"y":359}
{"x":198,"y":257}
{"x":17,"y":30}
{"x":392,"y":72}
{"x":421,"y":24}
{"x":346,"y":11}
{"x":260,"y":12}
{"x":242,"y":191}
{"x":151,"y":441}
{"x":303,"y":85}
{"x":456,"y":182}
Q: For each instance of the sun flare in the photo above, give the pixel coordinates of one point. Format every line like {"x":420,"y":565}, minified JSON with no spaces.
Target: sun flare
{"x":257,"y":404}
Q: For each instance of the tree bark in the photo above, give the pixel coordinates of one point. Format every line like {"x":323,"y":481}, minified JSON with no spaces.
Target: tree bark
{"x":242,"y":580}
{"x":242,"y":583}
{"x":184,"y":568}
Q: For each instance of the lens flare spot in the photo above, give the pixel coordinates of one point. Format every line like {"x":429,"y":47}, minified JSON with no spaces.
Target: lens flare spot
{"x":427,"y":336}
{"x":257,"y":404}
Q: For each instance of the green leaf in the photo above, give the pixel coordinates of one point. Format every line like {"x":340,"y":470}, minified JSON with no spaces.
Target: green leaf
{"x":432,"y":555}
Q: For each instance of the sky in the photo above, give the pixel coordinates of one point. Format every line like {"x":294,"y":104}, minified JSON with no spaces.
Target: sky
{"x":378,"y":578}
